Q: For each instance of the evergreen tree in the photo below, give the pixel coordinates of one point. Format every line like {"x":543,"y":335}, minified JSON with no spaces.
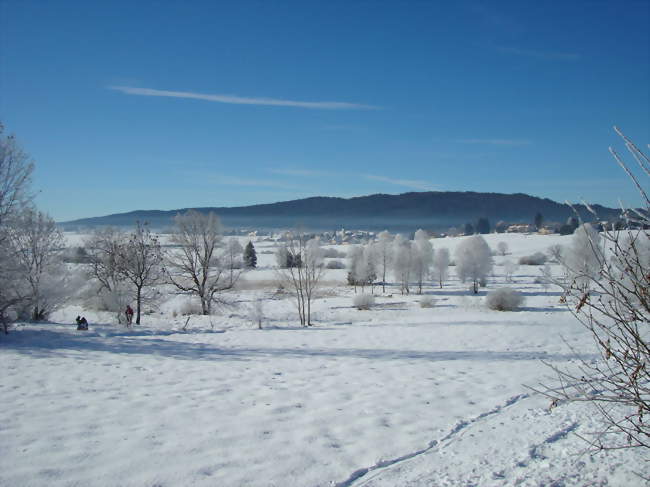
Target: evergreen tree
{"x":250,"y":256}
{"x":539,"y":221}
{"x":483,"y":225}
{"x":469,"y":229}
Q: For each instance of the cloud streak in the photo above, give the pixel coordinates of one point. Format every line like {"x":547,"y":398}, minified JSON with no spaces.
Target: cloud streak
{"x":242,"y":100}
{"x":408,"y":183}
{"x":503,"y":142}
{"x":560,"y":56}
{"x":299,"y":172}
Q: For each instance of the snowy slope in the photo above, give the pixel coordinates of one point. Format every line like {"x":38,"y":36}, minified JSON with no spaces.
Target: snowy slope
{"x":398,"y":395}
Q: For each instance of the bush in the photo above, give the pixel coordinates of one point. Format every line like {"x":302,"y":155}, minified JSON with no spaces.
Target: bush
{"x":335,"y":264}
{"x":363,"y":301}
{"x":537,"y":258}
{"x":427,"y":302}
{"x":504,"y":299}
{"x":190,"y":307}
{"x":333,"y":254}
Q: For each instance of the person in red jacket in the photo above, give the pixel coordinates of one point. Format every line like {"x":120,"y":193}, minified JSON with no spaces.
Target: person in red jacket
{"x":129,"y":315}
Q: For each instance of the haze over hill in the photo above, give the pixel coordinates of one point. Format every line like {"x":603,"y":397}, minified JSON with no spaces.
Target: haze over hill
{"x":407,"y":211}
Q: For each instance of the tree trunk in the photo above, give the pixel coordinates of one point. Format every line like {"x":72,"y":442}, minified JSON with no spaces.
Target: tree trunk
{"x":138,"y":303}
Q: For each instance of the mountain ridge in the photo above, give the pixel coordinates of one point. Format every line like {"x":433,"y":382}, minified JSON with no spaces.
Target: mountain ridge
{"x":431,"y":209}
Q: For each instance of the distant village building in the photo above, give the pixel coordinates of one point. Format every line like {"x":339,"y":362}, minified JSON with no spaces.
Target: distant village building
{"x":520,"y":228}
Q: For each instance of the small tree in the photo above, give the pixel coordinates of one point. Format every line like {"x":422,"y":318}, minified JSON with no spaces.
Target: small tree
{"x":468,"y":229}
{"x":198,"y":268}
{"x":422,"y":258}
{"x":402,"y":262}
{"x":304,"y":279}
{"x":139,"y":260}
{"x":250,"y":256}
{"x":509,"y":268}
{"x":383,"y":255}
{"x":539,"y":221}
{"x":441,"y":265}
{"x":502,"y":247}
{"x":473,"y":261}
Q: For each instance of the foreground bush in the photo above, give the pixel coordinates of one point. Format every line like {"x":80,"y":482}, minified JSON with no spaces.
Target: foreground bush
{"x":504,"y":299}
{"x":363,"y":301}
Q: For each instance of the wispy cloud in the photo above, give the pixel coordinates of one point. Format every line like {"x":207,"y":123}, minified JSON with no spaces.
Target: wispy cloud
{"x":299,"y":172}
{"x":550,"y":55}
{"x":408,"y":183}
{"x":242,"y":100}
{"x":505,"y":142}
{"x":219,"y":179}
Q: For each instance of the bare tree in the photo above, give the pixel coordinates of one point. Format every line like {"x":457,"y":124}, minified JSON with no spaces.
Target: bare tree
{"x":104,"y":247}
{"x":139,"y":259}
{"x":614,"y":305}
{"x":304,"y":279}
{"x":198,"y":268}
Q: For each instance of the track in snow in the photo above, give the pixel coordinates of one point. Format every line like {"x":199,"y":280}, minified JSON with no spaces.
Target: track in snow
{"x":362,"y":472}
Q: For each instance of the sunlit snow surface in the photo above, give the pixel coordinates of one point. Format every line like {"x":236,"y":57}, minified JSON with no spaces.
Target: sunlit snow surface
{"x":395,"y":396}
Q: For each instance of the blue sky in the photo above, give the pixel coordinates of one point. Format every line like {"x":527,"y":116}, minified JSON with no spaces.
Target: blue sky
{"x":170,"y":104}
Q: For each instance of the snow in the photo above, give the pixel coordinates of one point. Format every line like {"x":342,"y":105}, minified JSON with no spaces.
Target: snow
{"x":397,"y":395}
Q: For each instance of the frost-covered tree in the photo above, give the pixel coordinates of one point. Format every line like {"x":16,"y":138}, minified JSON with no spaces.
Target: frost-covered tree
{"x":402,"y":262}
{"x":197,"y":268}
{"x":441,"y":265}
{"x":303,"y":280}
{"x":250,"y":256}
{"x":140,"y":262}
{"x":502,"y":248}
{"x":422,"y":258}
{"x":15,"y":180}
{"x":281,"y":256}
{"x":232,"y":256}
{"x":473,"y":261}
{"x":383,"y":249}
{"x":555,"y":252}
{"x":509,"y":268}
{"x":362,"y":266}
{"x":16,"y":170}
{"x":37,"y":243}
{"x":584,"y":257}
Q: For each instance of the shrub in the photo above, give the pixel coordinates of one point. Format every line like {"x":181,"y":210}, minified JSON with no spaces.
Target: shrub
{"x":504,"y":299}
{"x":335,"y":264}
{"x":427,"y":302}
{"x":333,"y":254}
{"x":537,"y":258}
{"x":363,"y":301}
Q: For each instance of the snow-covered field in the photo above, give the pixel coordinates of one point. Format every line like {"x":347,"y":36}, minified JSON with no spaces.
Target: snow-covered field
{"x":395,"y":396}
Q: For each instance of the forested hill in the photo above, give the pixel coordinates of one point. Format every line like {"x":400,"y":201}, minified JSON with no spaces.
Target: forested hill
{"x":422,"y":209}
